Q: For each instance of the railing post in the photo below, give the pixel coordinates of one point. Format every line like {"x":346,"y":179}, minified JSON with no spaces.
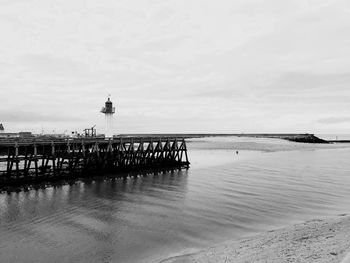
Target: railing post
{"x":36,"y":160}
{"x":184,"y":143}
{"x":53,"y":158}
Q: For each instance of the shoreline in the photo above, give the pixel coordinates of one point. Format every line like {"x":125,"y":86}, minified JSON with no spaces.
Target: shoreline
{"x":325,"y":240}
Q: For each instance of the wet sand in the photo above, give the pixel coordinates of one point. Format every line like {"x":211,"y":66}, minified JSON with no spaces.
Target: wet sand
{"x":322,"y":240}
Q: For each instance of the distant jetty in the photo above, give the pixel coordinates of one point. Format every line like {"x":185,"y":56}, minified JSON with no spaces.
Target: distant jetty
{"x":303,"y":138}
{"x":294,"y":137}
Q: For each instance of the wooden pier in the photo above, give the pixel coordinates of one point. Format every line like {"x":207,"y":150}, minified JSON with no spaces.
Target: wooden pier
{"x":27,"y":162}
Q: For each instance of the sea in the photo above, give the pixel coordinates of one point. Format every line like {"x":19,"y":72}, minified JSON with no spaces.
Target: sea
{"x":235,"y":187}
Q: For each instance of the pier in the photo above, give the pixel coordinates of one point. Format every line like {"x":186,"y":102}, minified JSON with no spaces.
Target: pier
{"x":27,"y":162}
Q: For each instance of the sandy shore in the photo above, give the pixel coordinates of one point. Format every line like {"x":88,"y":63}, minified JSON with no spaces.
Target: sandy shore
{"x":322,"y":240}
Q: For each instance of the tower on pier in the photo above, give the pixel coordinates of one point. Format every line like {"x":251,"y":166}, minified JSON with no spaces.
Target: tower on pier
{"x":108,"y":110}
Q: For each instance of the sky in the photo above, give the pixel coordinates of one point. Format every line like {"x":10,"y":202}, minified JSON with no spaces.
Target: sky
{"x":176,"y":66}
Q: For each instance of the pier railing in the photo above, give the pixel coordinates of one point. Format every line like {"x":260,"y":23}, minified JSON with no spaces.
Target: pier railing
{"x":35,"y":161}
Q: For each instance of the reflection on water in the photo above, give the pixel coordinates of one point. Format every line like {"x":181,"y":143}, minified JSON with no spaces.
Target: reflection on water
{"x":87,"y":222}
{"x":149,"y":218}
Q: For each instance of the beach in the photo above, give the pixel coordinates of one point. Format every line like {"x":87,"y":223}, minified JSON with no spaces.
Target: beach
{"x":319,"y":240}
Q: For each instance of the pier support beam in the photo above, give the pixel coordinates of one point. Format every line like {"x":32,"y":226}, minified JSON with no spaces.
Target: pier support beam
{"x":64,"y":159}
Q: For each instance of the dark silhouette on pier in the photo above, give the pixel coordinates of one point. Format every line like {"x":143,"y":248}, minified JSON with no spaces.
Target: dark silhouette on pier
{"x":27,"y":162}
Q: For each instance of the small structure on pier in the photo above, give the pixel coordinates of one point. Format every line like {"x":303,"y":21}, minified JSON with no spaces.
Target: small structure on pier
{"x":1,"y":128}
{"x":90,"y":132}
{"x":108,"y":111}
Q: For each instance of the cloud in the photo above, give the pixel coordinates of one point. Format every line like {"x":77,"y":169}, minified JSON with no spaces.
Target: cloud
{"x":334,"y":120}
{"x":50,"y":66}
{"x":230,"y":65}
{"x":17,"y":115}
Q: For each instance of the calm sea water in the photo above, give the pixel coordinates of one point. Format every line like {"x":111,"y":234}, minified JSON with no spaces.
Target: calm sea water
{"x":224,"y":195}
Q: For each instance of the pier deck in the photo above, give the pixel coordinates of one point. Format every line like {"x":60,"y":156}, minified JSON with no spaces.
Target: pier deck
{"x":23,"y":162}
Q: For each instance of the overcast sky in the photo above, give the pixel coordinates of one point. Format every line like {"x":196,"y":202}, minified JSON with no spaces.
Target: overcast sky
{"x":176,"y":65}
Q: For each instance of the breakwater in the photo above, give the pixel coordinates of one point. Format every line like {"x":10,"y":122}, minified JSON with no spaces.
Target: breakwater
{"x":294,"y":137}
{"x":26,"y":162}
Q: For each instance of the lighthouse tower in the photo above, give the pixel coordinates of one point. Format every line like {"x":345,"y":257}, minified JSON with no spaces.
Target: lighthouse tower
{"x":108,"y":111}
